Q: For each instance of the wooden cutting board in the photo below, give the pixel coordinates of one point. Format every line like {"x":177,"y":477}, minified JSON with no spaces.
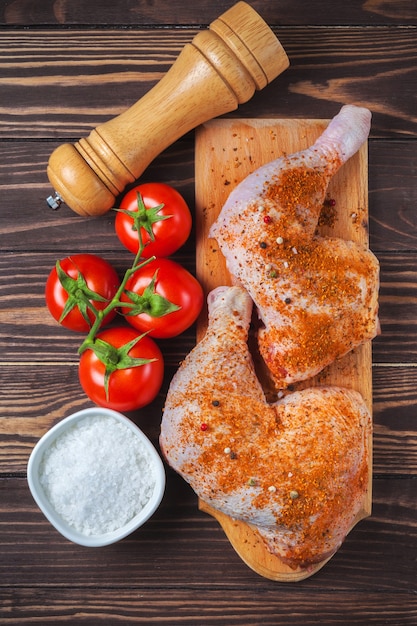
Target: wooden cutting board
{"x":227,"y":150}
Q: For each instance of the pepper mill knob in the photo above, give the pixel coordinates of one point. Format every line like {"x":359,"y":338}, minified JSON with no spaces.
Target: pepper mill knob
{"x":221,"y":68}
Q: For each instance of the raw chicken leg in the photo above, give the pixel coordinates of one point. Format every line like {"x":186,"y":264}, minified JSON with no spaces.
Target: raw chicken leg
{"x":297,"y":469}
{"x":316,"y":298}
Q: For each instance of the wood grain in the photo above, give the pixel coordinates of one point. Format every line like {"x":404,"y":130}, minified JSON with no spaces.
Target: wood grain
{"x":161,"y":555}
{"x":86,"y":78}
{"x":159,"y":12}
{"x":203,"y":607}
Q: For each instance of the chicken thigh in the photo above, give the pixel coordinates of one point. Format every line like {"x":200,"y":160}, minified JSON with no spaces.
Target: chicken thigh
{"x":316,"y":297}
{"x":296,"y":470}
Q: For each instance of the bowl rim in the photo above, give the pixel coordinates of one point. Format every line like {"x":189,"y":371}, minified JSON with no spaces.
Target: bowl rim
{"x":48,"y":510}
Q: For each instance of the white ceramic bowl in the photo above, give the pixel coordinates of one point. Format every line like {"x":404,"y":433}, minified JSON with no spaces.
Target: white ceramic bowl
{"x":67,"y":530}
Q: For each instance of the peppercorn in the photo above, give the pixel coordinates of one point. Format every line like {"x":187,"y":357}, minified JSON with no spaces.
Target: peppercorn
{"x":263,"y":245}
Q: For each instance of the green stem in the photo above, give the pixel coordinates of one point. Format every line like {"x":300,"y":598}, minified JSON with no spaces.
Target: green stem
{"x":115,"y":301}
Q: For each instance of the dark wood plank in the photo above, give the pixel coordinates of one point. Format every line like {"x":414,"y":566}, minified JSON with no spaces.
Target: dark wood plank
{"x":28,"y":327}
{"x":27,"y":223}
{"x":392,"y":195}
{"x":183,"y":548}
{"x":333,"y":67}
{"x":207,"y":607}
{"x":88,"y":77}
{"x":36,"y":395}
{"x":397,"y":309}
{"x":127,"y":12}
{"x":85,"y":77}
{"x":395,"y":436}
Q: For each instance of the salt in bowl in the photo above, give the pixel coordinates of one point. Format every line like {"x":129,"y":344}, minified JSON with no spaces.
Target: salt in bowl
{"x":96,"y":477}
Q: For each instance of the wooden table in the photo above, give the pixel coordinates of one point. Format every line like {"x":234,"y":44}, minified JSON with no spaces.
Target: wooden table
{"x":67,"y":66}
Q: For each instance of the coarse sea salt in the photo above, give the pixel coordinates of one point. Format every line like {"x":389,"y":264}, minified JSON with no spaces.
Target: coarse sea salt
{"x":97,"y":475}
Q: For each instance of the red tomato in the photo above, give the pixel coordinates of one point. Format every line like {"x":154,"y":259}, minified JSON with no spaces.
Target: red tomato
{"x":169,"y":234}
{"x":175,"y":284}
{"x":99,"y":276}
{"x":129,"y":388}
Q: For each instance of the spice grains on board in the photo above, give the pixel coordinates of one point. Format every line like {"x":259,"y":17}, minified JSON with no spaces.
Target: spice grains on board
{"x":297,"y":468}
{"x":316,"y":296}
{"x":261,"y":464}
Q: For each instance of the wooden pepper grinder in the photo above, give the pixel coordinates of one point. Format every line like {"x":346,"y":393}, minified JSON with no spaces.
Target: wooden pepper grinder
{"x":220,"y":69}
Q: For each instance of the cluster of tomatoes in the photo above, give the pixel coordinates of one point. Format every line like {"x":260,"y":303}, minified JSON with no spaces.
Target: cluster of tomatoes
{"x":122,"y":367}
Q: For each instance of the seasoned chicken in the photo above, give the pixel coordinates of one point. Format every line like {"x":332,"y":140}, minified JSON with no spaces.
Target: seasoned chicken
{"x":296,"y":470}
{"x":316,"y":297}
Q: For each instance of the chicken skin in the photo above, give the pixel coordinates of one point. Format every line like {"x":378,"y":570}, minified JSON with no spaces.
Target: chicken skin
{"x":316,"y":297}
{"x":296,"y":470}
